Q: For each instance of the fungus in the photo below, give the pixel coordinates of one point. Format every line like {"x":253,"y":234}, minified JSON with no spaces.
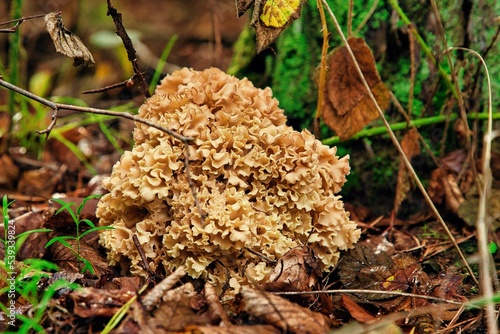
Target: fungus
{"x":261,"y":185}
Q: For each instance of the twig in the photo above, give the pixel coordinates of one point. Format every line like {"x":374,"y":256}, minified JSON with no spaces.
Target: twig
{"x":59,"y":106}
{"x":18,"y":23}
{"x":398,"y":145}
{"x":322,"y":71}
{"x":127,"y":83}
{"x":129,"y":46}
{"x":141,"y":253}
{"x":362,"y":291}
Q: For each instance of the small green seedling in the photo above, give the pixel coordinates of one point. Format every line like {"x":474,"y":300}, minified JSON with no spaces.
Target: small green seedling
{"x":75,"y":215}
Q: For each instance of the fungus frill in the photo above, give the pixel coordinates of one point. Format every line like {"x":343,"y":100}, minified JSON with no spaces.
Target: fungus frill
{"x":261,"y":185}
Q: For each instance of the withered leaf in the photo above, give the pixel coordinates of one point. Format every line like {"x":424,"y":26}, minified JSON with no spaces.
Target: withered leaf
{"x":348,"y":108}
{"x":411,"y":146}
{"x":66,"y":42}
{"x":282,"y":313}
{"x":270,"y":17}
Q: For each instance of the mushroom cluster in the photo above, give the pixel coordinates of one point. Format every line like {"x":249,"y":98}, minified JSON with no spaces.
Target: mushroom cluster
{"x":261,"y":185}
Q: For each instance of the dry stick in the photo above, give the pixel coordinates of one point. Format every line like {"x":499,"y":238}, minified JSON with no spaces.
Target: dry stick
{"x":126,"y":83}
{"x":361,"y":291}
{"x":58,"y":106}
{"x":18,"y":22}
{"x":141,"y":253}
{"x":129,"y":46}
{"x":322,"y":71}
{"x":397,"y":145}
{"x":482,"y":225}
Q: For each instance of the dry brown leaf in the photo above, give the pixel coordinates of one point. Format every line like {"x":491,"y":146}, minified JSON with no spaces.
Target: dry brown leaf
{"x":34,"y":246}
{"x":66,"y":42}
{"x":40,"y":182}
{"x":282,"y":313}
{"x":92,"y":302}
{"x":66,"y":258}
{"x":297,"y":270}
{"x":9,"y":172}
{"x":411,"y":147}
{"x":348,"y":108}
{"x":356,"y":311}
{"x":178,"y":310}
{"x":259,"y":329}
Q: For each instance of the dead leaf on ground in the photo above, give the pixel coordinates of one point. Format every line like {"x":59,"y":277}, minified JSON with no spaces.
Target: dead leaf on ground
{"x":348,"y":108}
{"x":66,"y":258}
{"x":92,"y":302}
{"x":270,"y":17}
{"x":40,"y":182}
{"x":282,"y":313}
{"x":260,"y":329}
{"x":9,"y":172}
{"x":34,"y":246}
{"x":356,"y":311}
{"x":411,"y":147}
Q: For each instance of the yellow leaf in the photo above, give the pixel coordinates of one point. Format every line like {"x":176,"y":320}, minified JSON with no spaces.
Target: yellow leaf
{"x":277,"y":13}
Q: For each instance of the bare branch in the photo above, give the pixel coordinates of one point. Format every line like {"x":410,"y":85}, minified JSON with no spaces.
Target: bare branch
{"x":129,"y":46}
{"x":18,"y":22}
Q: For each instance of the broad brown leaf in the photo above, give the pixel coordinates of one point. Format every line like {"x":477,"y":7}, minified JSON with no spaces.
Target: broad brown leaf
{"x":282,"y":313}
{"x":348,"y":108}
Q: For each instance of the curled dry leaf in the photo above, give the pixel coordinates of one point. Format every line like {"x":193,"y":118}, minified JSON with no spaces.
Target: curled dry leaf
{"x":282,"y":313}
{"x":270,"y":17}
{"x":66,"y":42}
{"x":348,"y":107}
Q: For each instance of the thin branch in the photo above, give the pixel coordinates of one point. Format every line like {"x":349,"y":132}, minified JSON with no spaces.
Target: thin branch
{"x":398,"y":145}
{"x":129,"y":46}
{"x":126,"y":83}
{"x":18,"y":22}
{"x":322,"y":71}
{"x":59,"y":106}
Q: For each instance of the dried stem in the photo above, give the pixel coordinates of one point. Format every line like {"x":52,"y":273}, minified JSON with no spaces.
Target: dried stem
{"x":482,"y":224}
{"x":322,"y":71}
{"x":18,"y":22}
{"x":129,"y":46}
{"x":398,"y":145}
{"x":59,"y":106}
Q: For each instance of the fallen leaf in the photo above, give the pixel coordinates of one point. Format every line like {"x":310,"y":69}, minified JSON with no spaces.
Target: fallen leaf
{"x":92,"y":302}
{"x":356,"y":311}
{"x":411,"y":147}
{"x":9,"y":172}
{"x":282,"y":313}
{"x":270,"y":17}
{"x":348,"y":108}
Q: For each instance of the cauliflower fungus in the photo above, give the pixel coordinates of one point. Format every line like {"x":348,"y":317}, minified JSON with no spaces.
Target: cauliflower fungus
{"x":261,"y":185}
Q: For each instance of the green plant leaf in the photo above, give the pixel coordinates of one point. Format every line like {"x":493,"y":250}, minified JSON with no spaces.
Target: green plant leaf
{"x":62,"y":240}
{"x":66,"y":206}
{"x":85,"y":200}
{"x":99,"y":228}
